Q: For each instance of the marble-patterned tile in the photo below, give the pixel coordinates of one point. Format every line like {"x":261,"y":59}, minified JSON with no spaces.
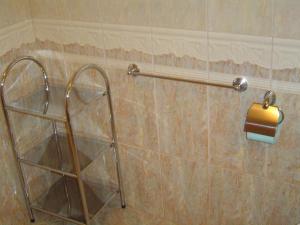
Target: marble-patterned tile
{"x":189,"y":15}
{"x":281,"y":203}
{"x":222,"y":66}
{"x":284,"y":156}
{"x":250,"y":70}
{"x":185,"y":190}
{"x":142,"y":180}
{"x":19,"y":9}
{"x":225,"y":128}
{"x":252,"y":17}
{"x":286,"y":35}
{"x":286,"y":19}
{"x":185,"y":62}
{"x":86,"y":11}
{"x":130,"y":12}
{"x":49,"y":9}
{"x":290,"y":75}
{"x":50,"y":54}
{"x":231,"y":25}
{"x":85,"y":50}
{"x":132,"y":55}
{"x":234,"y":198}
{"x":182,"y":119}
{"x":134,"y":107}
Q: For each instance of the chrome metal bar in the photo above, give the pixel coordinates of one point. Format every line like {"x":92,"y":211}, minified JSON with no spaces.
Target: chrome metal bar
{"x":28,"y":58}
{"x":42,"y":116}
{"x":60,"y":158}
{"x":57,"y":215}
{"x":47,"y":168}
{"x":239,"y":84}
{"x":113,"y":128}
{"x":19,"y":168}
{"x":77,"y":169}
{"x":2,"y":86}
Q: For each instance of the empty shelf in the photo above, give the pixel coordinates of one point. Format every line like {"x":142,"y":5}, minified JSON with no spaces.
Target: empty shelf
{"x":56,"y":202}
{"x":36,"y":104}
{"x":46,"y":155}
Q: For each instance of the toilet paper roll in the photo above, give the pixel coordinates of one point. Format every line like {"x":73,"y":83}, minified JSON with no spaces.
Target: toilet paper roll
{"x":265,"y":138}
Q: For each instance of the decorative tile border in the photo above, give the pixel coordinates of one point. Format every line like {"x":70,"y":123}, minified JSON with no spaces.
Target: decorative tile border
{"x":171,"y":51}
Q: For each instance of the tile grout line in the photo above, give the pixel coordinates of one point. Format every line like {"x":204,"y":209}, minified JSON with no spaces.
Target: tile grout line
{"x":156,"y":114}
{"x":272,"y":45}
{"x":208,"y":113}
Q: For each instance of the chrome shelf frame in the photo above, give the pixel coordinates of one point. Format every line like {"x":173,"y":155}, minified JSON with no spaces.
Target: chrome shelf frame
{"x":239,"y":84}
{"x":77,"y":170}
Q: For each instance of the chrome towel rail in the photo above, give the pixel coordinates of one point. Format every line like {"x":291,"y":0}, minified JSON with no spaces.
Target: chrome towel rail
{"x":239,"y":84}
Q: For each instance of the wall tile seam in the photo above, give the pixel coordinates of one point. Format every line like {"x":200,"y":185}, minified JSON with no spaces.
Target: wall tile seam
{"x":272,"y":50}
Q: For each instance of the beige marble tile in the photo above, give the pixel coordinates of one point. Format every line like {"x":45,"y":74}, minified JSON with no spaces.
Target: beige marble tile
{"x":281,"y":203}
{"x":221,"y":66}
{"x":18,"y":8}
{"x":284,"y":156}
{"x":190,"y":14}
{"x":128,"y":55}
{"x":86,"y":50}
{"x":250,"y":70}
{"x":234,"y":198}
{"x":49,"y":9}
{"x":291,"y":75}
{"x":142,"y":180}
{"x":185,"y":190}
{"x":225,"y":128}
{"x":134,"y":106}
{"x":286,"y":20}
{"x":136,"y":125}
{"x":239,"y":56}
{"x":182,"y":119}
{"x":186,"y":62}
{"x":250,"y":17}
{"x":50,"y":54}
{"x":86,"y":11}
{"x":131,"y":12}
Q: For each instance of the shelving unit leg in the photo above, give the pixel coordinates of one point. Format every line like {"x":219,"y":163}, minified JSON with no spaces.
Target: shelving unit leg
{"x":60,"y":158}
{"x":77,"y":170}
{"x":116,"y":147}
{"x":18,"y":164}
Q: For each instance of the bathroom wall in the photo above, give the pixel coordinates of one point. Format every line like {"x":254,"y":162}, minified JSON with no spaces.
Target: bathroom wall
{"x":184,"y":154}
{"x":15,"y":30}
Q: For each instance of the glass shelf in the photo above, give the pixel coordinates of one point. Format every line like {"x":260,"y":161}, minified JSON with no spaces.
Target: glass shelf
{"x":46,"y":153}
{"x":36,"y":104}
{"x":55,"y":200}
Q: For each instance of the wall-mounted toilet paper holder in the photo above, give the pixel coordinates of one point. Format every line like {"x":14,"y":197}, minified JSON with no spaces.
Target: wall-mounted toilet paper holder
{"x":263,"y":121}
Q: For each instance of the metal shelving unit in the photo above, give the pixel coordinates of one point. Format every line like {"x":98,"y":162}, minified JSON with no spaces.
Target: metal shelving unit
{"x":64,"y":156}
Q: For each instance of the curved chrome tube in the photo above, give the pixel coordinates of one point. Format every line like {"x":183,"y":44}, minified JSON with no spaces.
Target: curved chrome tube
{"x":113,"y":128}
{"x":17,"y":160}
{"x":45,"y":77}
